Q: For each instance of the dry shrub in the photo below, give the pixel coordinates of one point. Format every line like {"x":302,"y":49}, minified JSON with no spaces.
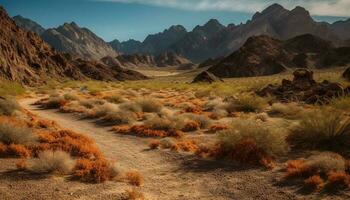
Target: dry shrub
{"x":217,"y":127}
{"x":134,"y":194}
{"x":134,"y":178}
{"x":76,"y":144}
{"x":95,"y":171}
{"x":70,"y":97}
{"x":115,"y":98}
{"x":338,"y":180}
{"x":142,"y":130}
{"x":193,"y":109}
{"x":154,"y":144}
{"x":314,"y":182}
{"x":186,"y":145}
{"x":55,"y":102}
{"x":8,"y":106}
{"x":130,"y":106}
{"x":202,"y":120}
{"x":22,"y":164}
{"x":289,"y":111}
{"x":119,"y":117}
{"x":191,"y":126}
{"x":3,"y":149}
{"x":322,"y":129}
{"x":149,"y":105}
{"x":269,"y":139}
{"x":52,"y":162}
{"x":91,"y":103}
{"x":167,"y":143}
{"x":161,"y":123}
{"x":10,"y":133}
{"x":319,"y":164}
{"x":246,"y":103}
{"x":18,"y":150}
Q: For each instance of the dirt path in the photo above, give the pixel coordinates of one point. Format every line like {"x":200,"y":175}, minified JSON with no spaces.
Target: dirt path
{"x":170,"y":175}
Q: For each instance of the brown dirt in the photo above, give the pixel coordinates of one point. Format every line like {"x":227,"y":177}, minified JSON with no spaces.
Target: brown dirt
{"x":168,"y":175}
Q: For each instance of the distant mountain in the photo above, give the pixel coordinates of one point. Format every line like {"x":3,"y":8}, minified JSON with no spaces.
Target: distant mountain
{"x":28,"y":24}
{"x":264,"y":55}
{"x":213,"y":40}
{"x":26,"y":58}
{"x":127,"y":47}
{"x":137,"y":61}
{"x":153,"y":44}
{"x":81,"y":42}
{"x":341,"y":29}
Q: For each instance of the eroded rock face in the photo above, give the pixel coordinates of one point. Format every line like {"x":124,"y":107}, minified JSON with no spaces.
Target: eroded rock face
{"x":206,"y":77}
{"x":304,"y":88}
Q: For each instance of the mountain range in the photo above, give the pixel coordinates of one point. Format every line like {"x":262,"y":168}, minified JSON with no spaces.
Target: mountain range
{"x":215,"y":40}
{"x":26,"y":58}
{"x":264,"y":55}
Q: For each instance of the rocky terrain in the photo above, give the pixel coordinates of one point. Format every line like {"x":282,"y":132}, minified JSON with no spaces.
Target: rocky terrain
{"x":26,"y":58}
{"x":264,"y":55}
{"x":138,"y":61}
{"x":81,"y":42}
{"x":28,"y":24}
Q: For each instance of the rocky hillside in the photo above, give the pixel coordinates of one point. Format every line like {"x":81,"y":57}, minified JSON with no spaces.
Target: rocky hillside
{"x":264,"y":55}
{"x":136,"y":61}
{"x":28,"y":24}
{"x":26,"y":58}
{"x":81,"y":42}
{"x":341,"y":29}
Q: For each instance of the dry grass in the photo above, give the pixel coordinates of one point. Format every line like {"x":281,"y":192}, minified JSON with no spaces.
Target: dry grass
{"x":134,"y":178}
{"x":12,"y":134}
{"x":341,"y":103}
{"x":115,"y":98}
{"x":8,"y":107}
{"x":325,"y":129}
{"x":289,"y":111}
{"x":247,"y":103}
{"x":154,"y":144}
{"x":149,"y":105}
{"x":202,"y":120}
{"x":134,"y":194}
{"x":58,"y":162}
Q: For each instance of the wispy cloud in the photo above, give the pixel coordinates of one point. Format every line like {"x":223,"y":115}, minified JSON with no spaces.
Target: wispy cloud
{"x":316,"y":7}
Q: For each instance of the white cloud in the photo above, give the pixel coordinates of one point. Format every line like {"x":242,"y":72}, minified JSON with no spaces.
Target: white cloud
{"x":316,"y":7}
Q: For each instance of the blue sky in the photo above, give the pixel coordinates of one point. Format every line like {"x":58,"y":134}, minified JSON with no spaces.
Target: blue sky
{"x":126,"y":19}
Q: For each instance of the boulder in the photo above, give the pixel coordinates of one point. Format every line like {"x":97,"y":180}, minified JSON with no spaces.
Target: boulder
{"x":206,"y":77}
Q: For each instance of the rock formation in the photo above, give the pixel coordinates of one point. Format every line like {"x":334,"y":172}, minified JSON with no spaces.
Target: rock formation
{"x":28,"y":24}
{"x":304,"y":88}
{"x":206,"y":77}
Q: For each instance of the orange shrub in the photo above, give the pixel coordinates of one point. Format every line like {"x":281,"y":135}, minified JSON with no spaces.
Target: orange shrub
{"x":295,"y":168}
{"x":134,"y":178}
{"x":96,"y":171}
{"x":154,"y":144}
{"x":314,"y":182}
{"x":134,"y":195}
{"x":18,"y":150}
{"x":247,"y":151}
{"x":193,"y":109}
{"x":122,"y":129}
{"x":22,"y":164}
{"x":338,"y":179}
{"x":188,"y":146}
{"x":191,"y":126}
{"x":3,"y":149}
{"x":217,"y":127}
{"x":146,"y":131}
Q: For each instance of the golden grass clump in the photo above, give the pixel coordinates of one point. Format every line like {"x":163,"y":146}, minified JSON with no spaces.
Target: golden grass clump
{"x":246,"y":103}
{"x":8,"y":107}
{"x":12,"y":134}
{"x":325,"y":129}
{"x":58,"y":162}
{"x":134,"y":178}
{"x":288,"y":111}
{"x":134,"y":194}
{"x":149,"y":105}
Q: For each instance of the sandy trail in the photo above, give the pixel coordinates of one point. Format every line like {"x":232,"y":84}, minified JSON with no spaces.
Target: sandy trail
{"x":170,"y":175}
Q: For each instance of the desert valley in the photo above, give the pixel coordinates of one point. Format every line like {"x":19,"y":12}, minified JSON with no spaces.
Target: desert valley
{"x":258,"y":110}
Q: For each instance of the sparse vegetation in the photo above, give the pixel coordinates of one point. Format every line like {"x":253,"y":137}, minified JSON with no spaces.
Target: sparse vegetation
{"x":325,"y":129}
{"x":11,"y":134}
{"x":52,"y":162}
{"x":8,"y":107}
{"x":247,"y":103}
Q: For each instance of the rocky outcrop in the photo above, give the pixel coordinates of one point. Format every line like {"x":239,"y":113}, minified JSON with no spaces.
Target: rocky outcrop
{"x":346,"y":74}
{"x":206,"y":77}
{"x":28,"y":24}
{"x":80,"y":42}
{"x":128,"y":47}
{"x":170,"y":59}
{"x":263,"y":55}
{"x":341,"y":29}
{"x":304,"y":88}
{"x":26,"y":58}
